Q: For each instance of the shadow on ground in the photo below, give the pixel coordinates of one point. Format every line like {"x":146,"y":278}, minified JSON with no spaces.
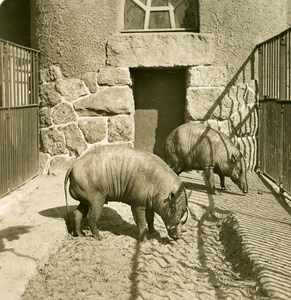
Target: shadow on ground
{"x":109,"y":220}
{"x":12,"y":233}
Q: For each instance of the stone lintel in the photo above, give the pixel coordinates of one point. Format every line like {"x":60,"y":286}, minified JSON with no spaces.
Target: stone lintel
{"x":171,"y":49}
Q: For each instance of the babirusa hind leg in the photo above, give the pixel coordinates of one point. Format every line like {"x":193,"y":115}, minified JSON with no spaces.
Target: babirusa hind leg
{"x":79,"y":213}
{"x":94,"y":213}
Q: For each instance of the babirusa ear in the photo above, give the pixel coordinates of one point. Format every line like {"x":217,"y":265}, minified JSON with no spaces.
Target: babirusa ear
{"x":234,"y":158}
{"x":170,"y":197}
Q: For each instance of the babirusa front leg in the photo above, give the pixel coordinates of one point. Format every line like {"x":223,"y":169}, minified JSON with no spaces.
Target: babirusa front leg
{"x":139,"y":215}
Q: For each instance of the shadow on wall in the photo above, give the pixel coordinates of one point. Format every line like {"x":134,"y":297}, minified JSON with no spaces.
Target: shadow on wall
{"x":235,"y":113}
{"x":15,"y":21}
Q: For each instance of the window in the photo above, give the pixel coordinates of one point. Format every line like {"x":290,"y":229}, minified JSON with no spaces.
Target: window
{"x":156,"y":15}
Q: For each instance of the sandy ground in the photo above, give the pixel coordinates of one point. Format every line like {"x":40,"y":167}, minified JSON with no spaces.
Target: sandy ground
{"x":198,"y":266}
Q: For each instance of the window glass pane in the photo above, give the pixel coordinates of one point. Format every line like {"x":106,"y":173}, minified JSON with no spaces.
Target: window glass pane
{"x":175,"y":3}
{"x":186,"y":15}
{"x":160,"y":3}
{"x":159,"y":20}
{"x":134,"y":16}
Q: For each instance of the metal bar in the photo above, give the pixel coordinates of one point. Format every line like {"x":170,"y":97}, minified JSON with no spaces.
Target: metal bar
{"x":18,"y":123}
{"x":261,"y":70}
{"x":21,"y":74}
{"x":18,"y":46}
{"x":35,"y":76}
{"x":278,"y":67}
{"x":17,"y":74}
{"x":30,"y":100}
{"x":289,"y":65}
{"x":1,"y":74}
{"x":26,"y":77}
{"x":6,"y":74}
{"x":272,"y":38}
{"x":268,"y":70}
{"x":282,"y":75}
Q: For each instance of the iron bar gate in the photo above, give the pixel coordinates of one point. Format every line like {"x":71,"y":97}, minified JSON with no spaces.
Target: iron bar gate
{"x":18,"y":115}
{"x":274,"y":141}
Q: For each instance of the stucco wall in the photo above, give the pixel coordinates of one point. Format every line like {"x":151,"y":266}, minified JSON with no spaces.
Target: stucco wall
{"x":239,"y":25}
{"x":72,"y":34}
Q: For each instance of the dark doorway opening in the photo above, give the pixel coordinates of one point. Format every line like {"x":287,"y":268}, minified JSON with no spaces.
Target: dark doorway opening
{"x":159,"y":106}
{"x":15,"y":21}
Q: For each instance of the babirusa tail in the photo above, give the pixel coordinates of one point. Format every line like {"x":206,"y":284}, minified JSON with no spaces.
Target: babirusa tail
{"x":65,"y":186}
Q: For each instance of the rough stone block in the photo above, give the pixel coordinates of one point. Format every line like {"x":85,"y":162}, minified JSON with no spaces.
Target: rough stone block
{"x":222,"y":126}
{"x":114,"y":76}
{"x":90,"y":79}
{"x":44,"y":162}
{"x":121,"y":128}
{"x":94,"y":129}
{"x":63,"y":113}
{"x":52,"y":141}
{"x":45,"y":117}
{"x":110,"y":101}
{"x":48,"y":95}
{"x":160,"y":49}
{"x":203,"y":103}
{"x":52,"y":73}
{"x":60,"y":163}
{"x":206,"y":76}
{"x":71,"y":88}
{"x":213,"y":103}
{"x":75,"y":141}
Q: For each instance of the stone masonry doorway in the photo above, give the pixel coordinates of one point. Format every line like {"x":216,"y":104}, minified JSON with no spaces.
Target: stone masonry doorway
{"x":159,"y":106}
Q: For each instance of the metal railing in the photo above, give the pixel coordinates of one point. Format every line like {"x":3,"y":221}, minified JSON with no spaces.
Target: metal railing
{"x":274,"y":140}
{"x":18,"y":75}
{"x":18,"y":115}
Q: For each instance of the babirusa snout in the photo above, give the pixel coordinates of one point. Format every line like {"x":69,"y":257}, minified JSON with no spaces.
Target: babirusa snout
{"x":175,"y":231}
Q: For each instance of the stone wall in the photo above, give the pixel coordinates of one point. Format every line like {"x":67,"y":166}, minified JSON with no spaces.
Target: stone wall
{"x":78,"y":114}
{"x":230,"y":107}
{"x":98,"y":107}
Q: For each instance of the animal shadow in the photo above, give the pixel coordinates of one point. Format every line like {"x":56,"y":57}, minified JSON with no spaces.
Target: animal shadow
{"x":109,"y":220}
{"x":12,"y":233}
{"x":195,"y":186}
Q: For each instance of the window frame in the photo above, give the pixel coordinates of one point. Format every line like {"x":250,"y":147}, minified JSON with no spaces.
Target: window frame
{"x":148,"y":9}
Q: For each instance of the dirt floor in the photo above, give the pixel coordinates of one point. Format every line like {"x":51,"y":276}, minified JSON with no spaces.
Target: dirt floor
{"x":201,"y":265}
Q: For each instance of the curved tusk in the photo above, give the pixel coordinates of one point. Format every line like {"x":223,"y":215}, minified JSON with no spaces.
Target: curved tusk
{"x":185,"y":216}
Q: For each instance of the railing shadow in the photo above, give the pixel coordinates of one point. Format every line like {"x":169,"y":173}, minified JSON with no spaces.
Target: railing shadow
{"x":240,"y":74}
{"x":279,"y":197}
